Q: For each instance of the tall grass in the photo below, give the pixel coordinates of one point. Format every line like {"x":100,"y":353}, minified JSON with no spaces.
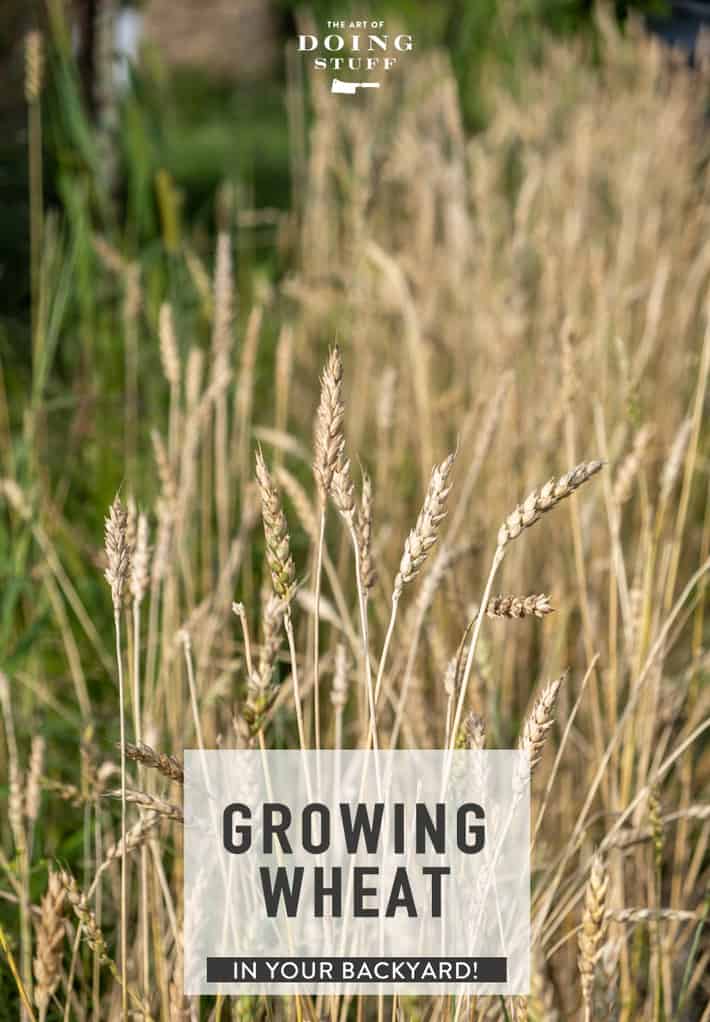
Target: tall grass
{"x":534,"y":298}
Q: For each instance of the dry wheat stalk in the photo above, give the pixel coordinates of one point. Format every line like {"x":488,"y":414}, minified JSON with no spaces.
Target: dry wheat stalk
{"x":542,"y":993}
{"x":333,"y":478}
{"x":342,"y":491}
{"x":168,"y":766}
{"x":475,"y":731}
{"x":539,"y":721}
{"x":299,"y":500}
{"x":544,"y":499}
{"x":329,"y":442}
{"x":591,"y":935}
{"x":135,"y":838}
{"x":79,"y":902}
{"x":633,"y":916}
{"x":179,"y":1009}
{"x":283,"y":572}
{"x":223,"y":301}
{"x":520,"y":1009}
{"x":261,"y":686}
{"x":674,"y":462}
{"x":425,"y":533}
{"x":50,"y":934}
{"x":417,"y":545}
{"x":131,"y":525}
{"x":451,"y":675}
{"x":271,"y":638}
{"x":168,"y":486}
{"x":34,"y":61}
{"x":339,"y":692}
{"x":109,"y":255}
{"x":144,"y":800}
{"x":117,"y":552}
{"x":67,"y":792}
{"x":140,"y":561}
{"x":117,"y":555}
{"x":629,"y":468}
{"x":193,"y":378}
{"x":278,"y":544}
{"x":169,"y":354}
{"x":16,"y":805}
{"x":537,"y":605}
{"x":34,"y":779}
{"x":363,"y":529}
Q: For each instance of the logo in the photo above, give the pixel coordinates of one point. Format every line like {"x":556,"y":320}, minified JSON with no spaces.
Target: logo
{"x":360,"y":47}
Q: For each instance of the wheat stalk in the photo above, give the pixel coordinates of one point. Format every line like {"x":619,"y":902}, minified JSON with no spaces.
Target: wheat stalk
{"x":80,"y":904}
{"x":540,"y":501}
{"x":537,"y":605}
{"x":526,"y":514}
{"x":539,"y":721}
{"x":329,"y":442}
{"x":475,"y":731}
{"x":363,"y":529}
{"x":144,"y":800}
{"x":426,"y":531}
{"x":34,"y":65}
{"x":416,"y":548}
{"x":329,"y":445}
{"x":278,"y":543}
{"x":591,"y":935}
{"x":117,"y":555}
{"x":168,"y":766}
{"x":169,"y":354}
{"x":50,"y":935}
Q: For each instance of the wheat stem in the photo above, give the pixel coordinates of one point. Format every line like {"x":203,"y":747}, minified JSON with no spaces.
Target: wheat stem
{"x":288,"y":627}
{"x":316,"y":624}
{"x":124,"y":886}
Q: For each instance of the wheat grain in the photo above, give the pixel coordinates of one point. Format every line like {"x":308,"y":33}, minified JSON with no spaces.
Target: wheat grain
{"x":278,"y":543}
{"x":633,"y":916}
{"x":144,"y":800}
{"x":342,"y":491}
{"x":135,"y":838}
{"x":674,"y":461}
{"x":329,"y":442}
{"x":169,"y":354}
{"x":168,"y":766}
{"x":539,"y":721}
{"x":475,"y":731}
{"x":223,"y":300}
{"x":363,"y":529}
{"x":117,"y":552}
{"x":34,"y":62}
{"x":520,"y":1009}
{"x":630,"y":466}
{"x":591,"y":935}
{"x":79,"y":902}
{"x":537,"y":605}
{"x":168,"y":486}
{"x":34,"y":778}
{"x":50,"y":935}
{"x":544,"y":499}
{"x":426,"y":531}
{"x":140,"y":561}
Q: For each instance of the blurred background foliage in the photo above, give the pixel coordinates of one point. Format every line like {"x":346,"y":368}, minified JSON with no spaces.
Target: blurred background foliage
{"x":146,"y":153}
{"x":202,"y":125}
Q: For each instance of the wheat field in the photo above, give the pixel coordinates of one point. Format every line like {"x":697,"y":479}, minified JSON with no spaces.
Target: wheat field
{"x":445,"y":481}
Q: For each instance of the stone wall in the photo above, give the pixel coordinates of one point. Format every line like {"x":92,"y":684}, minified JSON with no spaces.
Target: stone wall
{"x":233,"y":38}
